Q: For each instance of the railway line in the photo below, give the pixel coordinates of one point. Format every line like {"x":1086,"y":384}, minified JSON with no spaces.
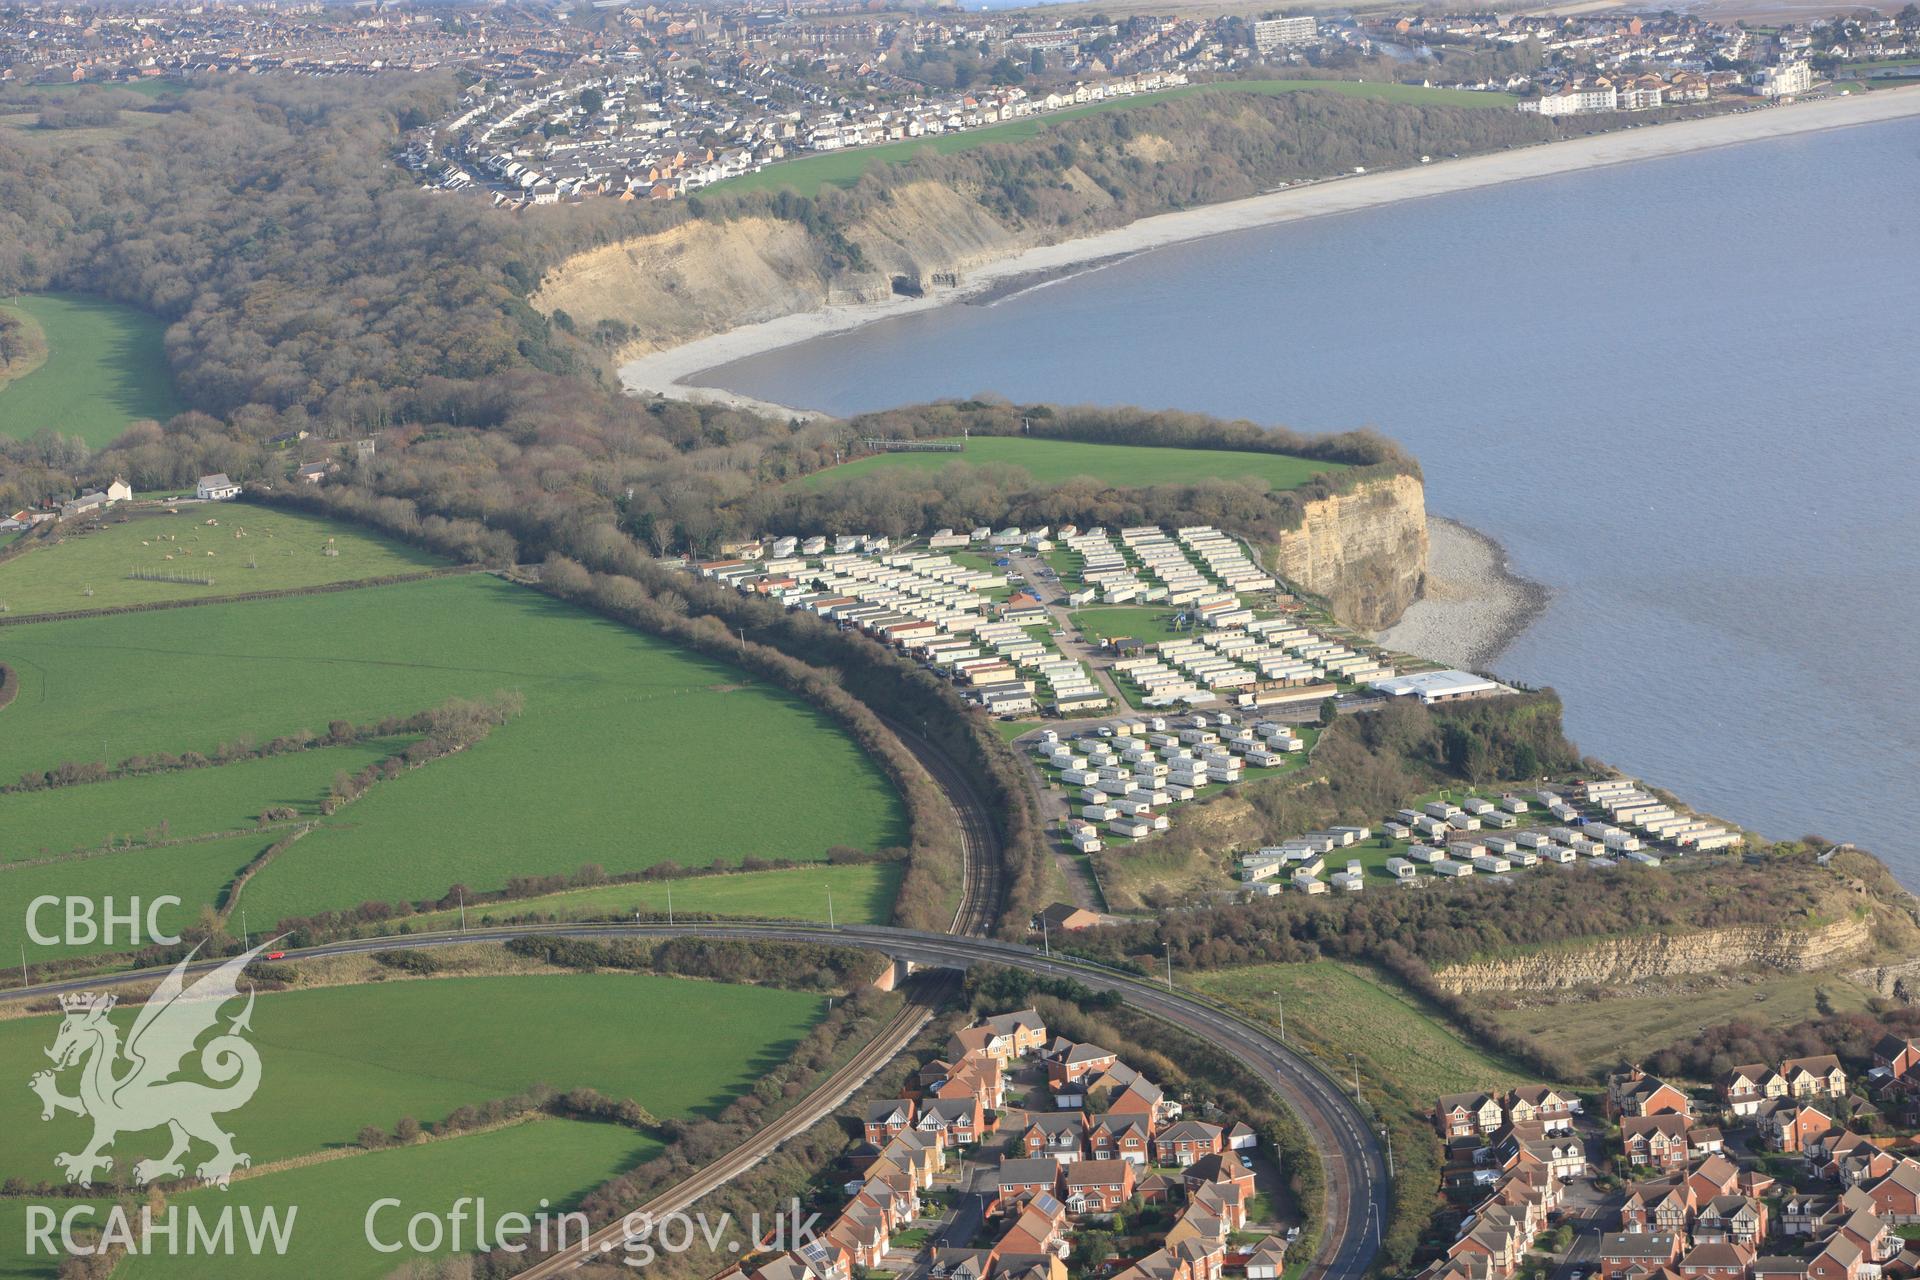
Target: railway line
{"x":1356,"y":1183}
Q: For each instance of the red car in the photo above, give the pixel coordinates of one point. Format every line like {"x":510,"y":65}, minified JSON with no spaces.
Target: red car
{"x":276,"y":955}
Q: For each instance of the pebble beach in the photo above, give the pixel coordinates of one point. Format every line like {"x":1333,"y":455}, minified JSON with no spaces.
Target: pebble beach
{"x":1473,"y":605}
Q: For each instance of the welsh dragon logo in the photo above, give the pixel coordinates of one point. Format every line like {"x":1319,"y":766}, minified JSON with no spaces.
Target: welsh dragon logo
{"x":130,"y":1088}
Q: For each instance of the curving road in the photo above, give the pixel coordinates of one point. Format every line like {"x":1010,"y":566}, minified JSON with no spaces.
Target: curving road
{"x":1349,"y":1150}
{"x":1350,"y":1153}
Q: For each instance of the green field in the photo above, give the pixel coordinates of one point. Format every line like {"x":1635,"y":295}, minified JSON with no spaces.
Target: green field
{"x":1120,"y":465}
{"x":1601,"y":1032}
{"x":106,"y":366}
{"x":515,"y":1169}
{"x":638,"y":752}
{"x":154,"y":87}
{"x":1333,"y":1009}
{"x":241,"y":547}
{"x":863,"y":893}
{"x":335,"y":1059}
{"x":194,"y":872}
{"x":1145,"y":624}
{"x":171,"y":806}
{"x":809,"y":174}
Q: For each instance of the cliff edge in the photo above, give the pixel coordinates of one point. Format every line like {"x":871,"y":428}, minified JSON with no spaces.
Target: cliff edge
{"x":1363,"y":550}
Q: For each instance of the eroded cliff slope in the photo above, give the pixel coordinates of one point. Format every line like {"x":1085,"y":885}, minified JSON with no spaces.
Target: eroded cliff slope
{"x":1365,"y":550}
{"x":1620,"y":961}
{"x":704,"y":277}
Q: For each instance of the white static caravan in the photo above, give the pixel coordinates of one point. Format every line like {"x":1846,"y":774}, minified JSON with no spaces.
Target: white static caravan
{"x":1401,"y":869}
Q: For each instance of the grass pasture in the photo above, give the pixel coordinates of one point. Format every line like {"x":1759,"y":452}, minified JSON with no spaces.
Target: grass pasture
{"x":809,"y":174}
{"x":517,"y":1169}
{"x":334,"y":1059}
{"x":242,"y":547}
{"x":639,"y":752}
{"x":194,"y":872}
{"x":1333,"y":1009}
{"x":156,"y":807}
{"x":863,"y":893}
{"x":106,"y":366}
{"x":1119,"y":465}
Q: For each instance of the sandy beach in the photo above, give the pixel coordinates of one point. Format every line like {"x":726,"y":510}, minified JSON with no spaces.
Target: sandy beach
{"x":669,"y":372}
{"x":1473,"y":606}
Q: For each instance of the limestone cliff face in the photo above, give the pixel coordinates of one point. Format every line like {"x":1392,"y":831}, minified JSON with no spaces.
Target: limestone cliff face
{"x":702,"y":277}
{"x":692,"y":280}
{"x":1364,"y":551}
{"x":1619,"y":961}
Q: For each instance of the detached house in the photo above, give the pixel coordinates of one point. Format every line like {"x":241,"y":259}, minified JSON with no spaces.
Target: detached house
{"x":955,"y":1122}
{"x":1896,"y":1197}
{"x":1001,"y":1037}
{"x":1635,"y":1093}
{"x":1019,"y":1181}
{"x":1119,"y":1137}
{"x":1098,"y":1186}
{"x":1058,"y":1136}
{"x":1716,"y":1261}
{"x":1562,"y":1155}
{"x":1896,"y":1055}
{"x":1541,"y":1104}
{"x":1739,"y":1220}
{"x":1665,"y":1206}
{"x":1788,"y":1125}
{"x":1069,"y":1065}
{"x":1743,"y":1089}
{"x":1850,"y":1159}
{"x":1186,"y":1141}
{"x":1816,"y":1077}
{"x":1841,"y":1259}
{"x":1657,"y":1141}
{"x":216,"y":488}
{"x":1461,"y":1115}
{"x":885,"y":1119}
{"x":1645,"y":1251}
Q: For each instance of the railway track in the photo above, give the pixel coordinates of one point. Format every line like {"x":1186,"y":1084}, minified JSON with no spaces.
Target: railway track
{"x":978,"y":909}
{"x":1350,"y":1153}
{"x":984,"y":892}
{"x":1356,"y":1184}
{"x":891,"y":1039}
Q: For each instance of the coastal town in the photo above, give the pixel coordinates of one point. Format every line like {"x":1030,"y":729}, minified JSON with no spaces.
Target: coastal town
{"x":658,"y":101}
{"x":1788,"y":1170}
{"x":921,"y":640}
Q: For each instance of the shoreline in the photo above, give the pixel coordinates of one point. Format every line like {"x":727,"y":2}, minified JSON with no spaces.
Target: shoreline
{"x":672,"y":372}
{"x":1473,"y":605}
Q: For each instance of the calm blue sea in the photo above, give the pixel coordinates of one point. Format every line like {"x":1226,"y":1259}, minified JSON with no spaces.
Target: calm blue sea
{"x":1683,"y":393}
